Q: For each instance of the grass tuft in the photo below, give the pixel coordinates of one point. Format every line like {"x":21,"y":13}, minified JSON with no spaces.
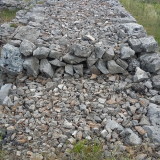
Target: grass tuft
{"x":7,"y":15}
{"x":147,"y":13}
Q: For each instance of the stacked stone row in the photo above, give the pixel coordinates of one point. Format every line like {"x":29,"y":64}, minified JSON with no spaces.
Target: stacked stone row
{"x":87,"y":56}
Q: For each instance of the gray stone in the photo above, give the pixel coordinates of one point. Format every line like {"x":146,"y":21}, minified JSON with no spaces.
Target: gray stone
{"x":4,"y":92}
{"x":31,"y":64}
{"x":99,"y":51}
{"x":11,"y":60}
{"x":69,"y":69}
{"x":7,"y":102}
{"x":133,"y":63}
{"x":46,"y":68}
{"x":150,"y":62}
{"x":156,"y":99}
{"x":113,"y":125}
{"x":122,"y":63}
{"x":41,"y":52}
{"x":91,"y":60}
{"x":27,"y":47}
{"x":148,"y":44}
{"x":156,"y":81}
{"x":134,"y":29}
{"x":153,"y":133}
{"x":114,"y":68}
{"x":57,"y":62}
{"x":78,"y":69}
{"x":104,"y":133}
{"x":140,"y":75}
{"x":109,"y":54}
{"x":135,"y":44}
{"x":94,"y":70}
{"x":68,"y":58}
{"x":153,"y":114}
{"x":27,"y":32}
{"x":127,"y":52}
{"x":102,"y":67}
{"x":130,"y":137}
{"x":81,"y":51}
{"x":55,"y":54}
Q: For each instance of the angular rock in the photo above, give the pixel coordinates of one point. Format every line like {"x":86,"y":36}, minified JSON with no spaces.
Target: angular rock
{"x":156,"y":99}
{"x":78,"y":69}
{"x":57,"y":62}
{"x":135,"y":44}
{"x":113,"y":125}
{"x":31,"y":64}
{"x":148,"y":44}
{"x":127,"y":52}
{"x":41,"y":52}
{"x":94,"y":70}
{"x":91,"y":60}
{"x":27,"y":32}
{"x":11,"y":60}
{"x":114,"y":68}
{"x":81,"y":51}
{"x":156,"y":81}
{"x":140,"y":75}
{"x":153,"y":133}
{"x":55,"y":54}
{"x":122,"y":63}
{"x":150,"y":62}
{"x":130,"y":137}
{"x":153,"y":114}
{"x":69,"y":69}
{"x":133,"y":63}
{"x":7,"y":102}
{"x":68,"y":58}
{"x":27,"y":47}
{"x":99,"y":51}
{"x":4,"y":92}
{"x":134,"y":29}
{"x":102,"y":67}
{"x":46,"y":68}
{"x":109,"y":54}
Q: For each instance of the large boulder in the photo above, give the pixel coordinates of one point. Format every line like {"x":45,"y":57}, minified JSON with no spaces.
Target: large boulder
{"x":150,"y":62}
{"x":71,"y":59}
{"x":41,"y":52}
{"x":46,"y":68}
{"x":127,"y":52}
{"x":11,"y":60}
{"x":81,"y":50}
{"x":27,"y":47}
{"x":27,"y":32}
{"x":148,"y":44}
{"x":156,"y":81}
{"x":114,"y":68}
{"x":31,"y":64}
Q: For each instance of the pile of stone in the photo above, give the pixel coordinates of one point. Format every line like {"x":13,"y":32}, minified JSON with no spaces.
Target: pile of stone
{"x":45,"y":50}
{"x":82,"y":69}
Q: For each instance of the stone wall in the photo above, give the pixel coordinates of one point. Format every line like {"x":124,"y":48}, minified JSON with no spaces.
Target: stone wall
{"x":53,"y":38}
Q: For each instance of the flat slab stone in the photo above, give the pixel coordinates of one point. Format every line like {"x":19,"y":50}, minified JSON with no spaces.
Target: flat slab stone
{"x":22,"y":33}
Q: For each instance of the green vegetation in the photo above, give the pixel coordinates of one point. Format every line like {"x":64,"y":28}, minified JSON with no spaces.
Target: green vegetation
{"x":93,"y":150}
{"x":13,"y":25}
{"x":147,"y":13}
{"x":7,"y":15}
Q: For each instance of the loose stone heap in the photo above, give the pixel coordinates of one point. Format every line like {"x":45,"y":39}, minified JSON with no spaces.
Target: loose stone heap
{"x":93,"y":37}
{"x":68,"y":39}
